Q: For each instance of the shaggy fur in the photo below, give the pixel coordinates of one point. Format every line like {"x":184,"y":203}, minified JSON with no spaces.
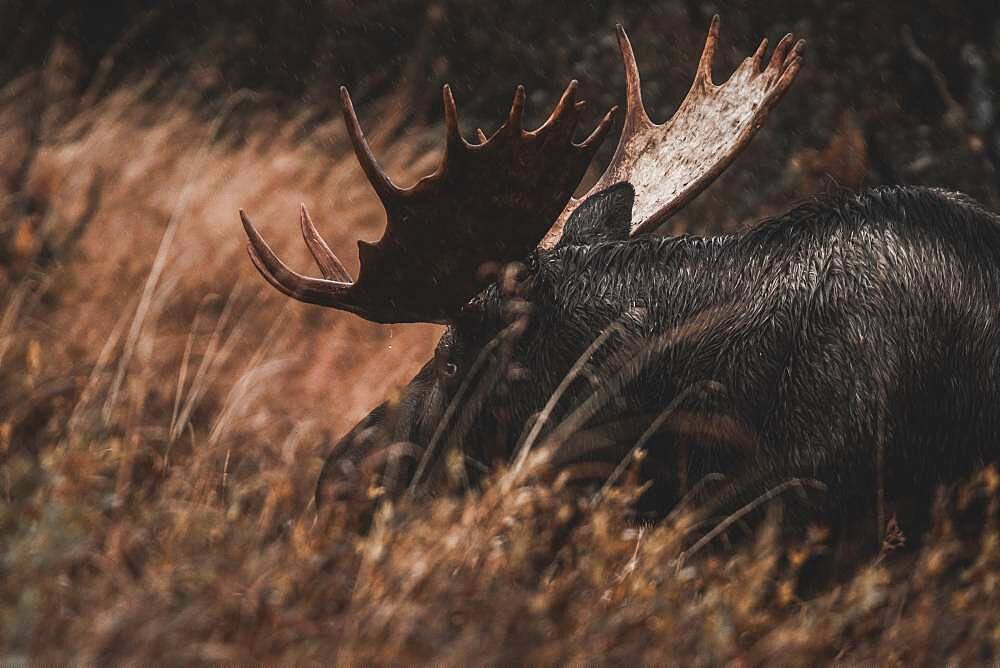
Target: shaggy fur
{"x":851,"y":344}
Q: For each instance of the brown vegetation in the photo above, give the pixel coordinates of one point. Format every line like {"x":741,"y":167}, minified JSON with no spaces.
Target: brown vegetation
{"x":163,"y":417}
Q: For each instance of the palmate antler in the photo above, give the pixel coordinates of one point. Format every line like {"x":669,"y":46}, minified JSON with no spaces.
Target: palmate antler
{"x":494,"y":202}
{"x":669,"y":164}
{"x":490,"y":202}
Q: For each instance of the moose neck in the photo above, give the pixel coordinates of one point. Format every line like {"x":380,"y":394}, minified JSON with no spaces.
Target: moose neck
{"x":672,"y":278}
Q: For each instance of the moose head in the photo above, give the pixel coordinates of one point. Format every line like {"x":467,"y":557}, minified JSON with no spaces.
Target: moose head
{"x":494,"y":245}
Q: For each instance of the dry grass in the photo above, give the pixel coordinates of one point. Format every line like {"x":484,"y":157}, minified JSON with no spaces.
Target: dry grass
{"x":164,"y":417}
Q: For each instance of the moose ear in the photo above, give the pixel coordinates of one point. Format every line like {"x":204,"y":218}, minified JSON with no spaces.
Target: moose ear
{"x":604,"y":216}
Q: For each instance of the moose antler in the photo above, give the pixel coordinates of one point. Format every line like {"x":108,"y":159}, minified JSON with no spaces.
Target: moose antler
{"x":669,"y":164}
{"x":490,"y":202}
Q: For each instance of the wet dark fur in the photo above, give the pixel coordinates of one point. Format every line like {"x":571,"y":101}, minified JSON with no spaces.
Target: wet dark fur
{"x":854,"y":334}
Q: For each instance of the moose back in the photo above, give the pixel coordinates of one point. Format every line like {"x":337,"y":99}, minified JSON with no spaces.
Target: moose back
{"x":848,"y":349}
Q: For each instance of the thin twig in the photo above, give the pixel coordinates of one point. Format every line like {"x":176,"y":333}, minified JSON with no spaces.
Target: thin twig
{"x":634,"y":364}
{"x":209,"y":360}
{"x":742,"y":512}
{"x":543,"y":416}
{"x":691,"y":494}
{"x":653,"y":428}
{"x":450,"y":411}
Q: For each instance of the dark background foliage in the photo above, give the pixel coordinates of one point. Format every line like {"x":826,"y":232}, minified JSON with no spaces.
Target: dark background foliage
{"x":861,"y":76}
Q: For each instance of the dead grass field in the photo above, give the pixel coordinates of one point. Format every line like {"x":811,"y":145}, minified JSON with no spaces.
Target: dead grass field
{"x":164,"y":415}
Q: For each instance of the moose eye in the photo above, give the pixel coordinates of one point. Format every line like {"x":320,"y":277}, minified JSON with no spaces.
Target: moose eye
{"x":450,"y":369}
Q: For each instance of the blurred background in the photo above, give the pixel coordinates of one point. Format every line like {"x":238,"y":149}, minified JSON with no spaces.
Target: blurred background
{"x":146,"y":370}
{"x":906,"y":109}
{"x":126,"y":120}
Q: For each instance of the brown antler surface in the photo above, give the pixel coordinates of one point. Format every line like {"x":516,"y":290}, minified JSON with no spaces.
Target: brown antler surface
{"x":669,"y":164}
{"x":490,"y":202}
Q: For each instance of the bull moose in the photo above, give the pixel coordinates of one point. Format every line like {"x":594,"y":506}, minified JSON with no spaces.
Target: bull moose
{"x":849,"y":348}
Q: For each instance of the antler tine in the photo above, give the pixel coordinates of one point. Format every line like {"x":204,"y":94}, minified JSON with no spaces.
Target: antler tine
{"x":380,"y":181}
{"x":288,"y":281}
{"x":792,"y":65}
{"x":635,"y":111}
{"x":516,"y":115}
{"x":559,"y":114}
{"x":329,"y":264}
{"x":782,"y":51}
{"x":258,"y":263}
{"x":758,"y":55}
{"x":454,"y":135}
{"x":708,"y":53}
{"x":597,"y":136}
